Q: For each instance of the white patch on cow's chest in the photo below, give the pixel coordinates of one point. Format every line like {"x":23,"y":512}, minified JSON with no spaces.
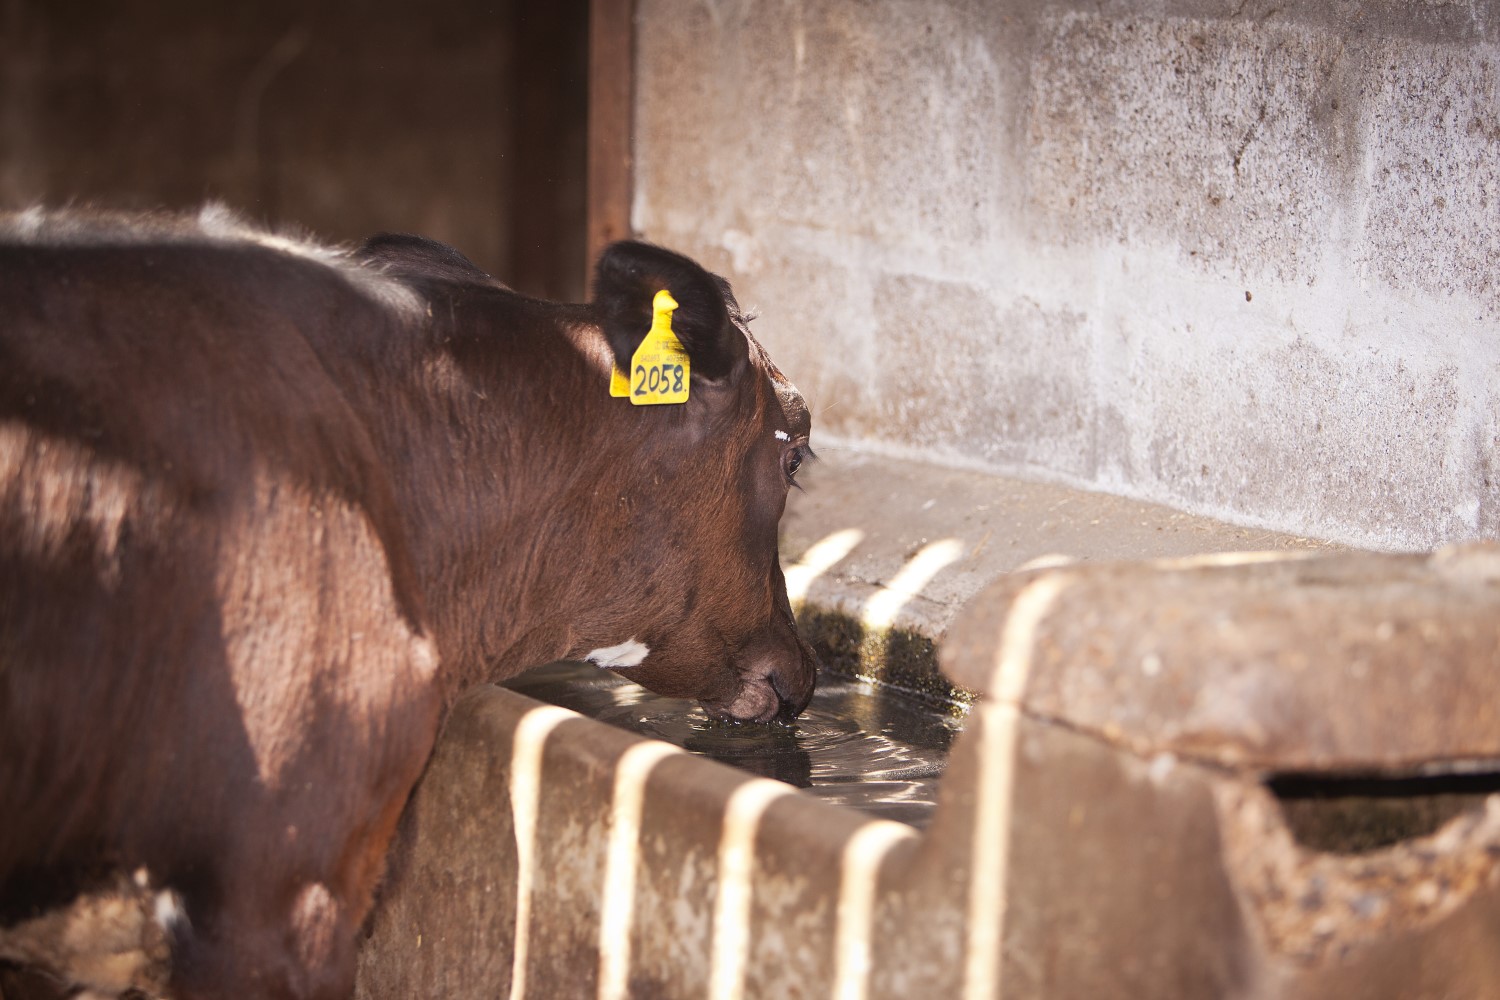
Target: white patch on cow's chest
{"x":629,"y":653}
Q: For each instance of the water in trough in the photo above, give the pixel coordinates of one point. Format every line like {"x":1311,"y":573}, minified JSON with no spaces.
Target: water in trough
{"x":856,"y":744}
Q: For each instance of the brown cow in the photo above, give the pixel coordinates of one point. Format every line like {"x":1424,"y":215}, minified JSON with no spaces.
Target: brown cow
{"x":266,"y":508}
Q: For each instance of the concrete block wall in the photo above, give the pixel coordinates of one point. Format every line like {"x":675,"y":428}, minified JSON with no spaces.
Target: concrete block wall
{"x":1235,"y":257}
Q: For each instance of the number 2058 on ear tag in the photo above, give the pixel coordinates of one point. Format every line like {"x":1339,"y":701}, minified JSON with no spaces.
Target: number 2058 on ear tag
{"x":660,"y":371}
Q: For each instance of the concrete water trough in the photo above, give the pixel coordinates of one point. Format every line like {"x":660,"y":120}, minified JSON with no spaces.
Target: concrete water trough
{"x":1226,"y":775}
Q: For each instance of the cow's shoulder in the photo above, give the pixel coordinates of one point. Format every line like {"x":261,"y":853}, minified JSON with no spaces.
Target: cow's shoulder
{"x":212,"y":366}
{"x":193,"y":513}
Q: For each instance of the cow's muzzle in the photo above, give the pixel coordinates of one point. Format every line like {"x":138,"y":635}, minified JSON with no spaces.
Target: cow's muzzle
{"x":777,"y":676}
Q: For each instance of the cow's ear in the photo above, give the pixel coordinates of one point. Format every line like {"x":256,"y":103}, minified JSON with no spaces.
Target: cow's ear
{"x":626,"y":280}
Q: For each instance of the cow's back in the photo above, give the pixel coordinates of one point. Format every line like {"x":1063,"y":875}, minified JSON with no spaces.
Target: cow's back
{"x":210,"y":642}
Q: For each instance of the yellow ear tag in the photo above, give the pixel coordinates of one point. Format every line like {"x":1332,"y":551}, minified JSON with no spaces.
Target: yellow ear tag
{"x":659,"y":370}
{"x":619,"y":385}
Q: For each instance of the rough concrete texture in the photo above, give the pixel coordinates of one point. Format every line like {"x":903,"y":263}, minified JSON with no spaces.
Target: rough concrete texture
{"x":881,"y":551}
{"x":1269,"y":661}
{"x":553,"y":855}
{"x":549,"y":855}
{"x":1236,"y":258}
{"x":1388,"y":684}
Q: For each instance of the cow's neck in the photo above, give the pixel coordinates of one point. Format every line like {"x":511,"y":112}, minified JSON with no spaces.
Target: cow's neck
{"x":493,"y":489}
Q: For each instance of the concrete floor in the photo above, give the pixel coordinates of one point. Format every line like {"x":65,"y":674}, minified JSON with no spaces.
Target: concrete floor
{"x":893,"y":543}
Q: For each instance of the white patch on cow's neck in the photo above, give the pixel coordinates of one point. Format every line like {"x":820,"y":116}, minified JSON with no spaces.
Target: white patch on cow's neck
{"x":783,"y":436}
{"x":629,"y":653}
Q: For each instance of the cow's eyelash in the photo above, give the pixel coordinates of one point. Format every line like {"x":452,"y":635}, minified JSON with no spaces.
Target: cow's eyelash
{"x":804,"y":455}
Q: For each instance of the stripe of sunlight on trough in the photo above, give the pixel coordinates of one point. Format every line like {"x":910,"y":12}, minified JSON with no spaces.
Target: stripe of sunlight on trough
{"x":731,"y":943}
{"x":856,"y":911}
{"x":999,"y":712}
{"x":525,"y":803}
{"x":881,"y":609}
{"x":819,"y":559}
{"x":617,"y":910}
{"x":1210,"y":560}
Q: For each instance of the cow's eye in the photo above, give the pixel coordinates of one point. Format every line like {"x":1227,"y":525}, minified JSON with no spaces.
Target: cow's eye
{"x":792,"y":459}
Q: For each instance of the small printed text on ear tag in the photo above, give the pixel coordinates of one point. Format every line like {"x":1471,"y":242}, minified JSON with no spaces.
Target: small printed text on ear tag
{"x":659,"y":370}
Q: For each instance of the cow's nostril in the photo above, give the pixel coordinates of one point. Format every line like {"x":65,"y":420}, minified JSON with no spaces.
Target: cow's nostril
{"x":788,"y":712}
{"x":777,"y":674}
{"x":794,"y":686}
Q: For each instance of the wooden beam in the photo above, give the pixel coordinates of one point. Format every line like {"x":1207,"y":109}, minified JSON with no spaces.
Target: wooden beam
{"x":611,"y":112}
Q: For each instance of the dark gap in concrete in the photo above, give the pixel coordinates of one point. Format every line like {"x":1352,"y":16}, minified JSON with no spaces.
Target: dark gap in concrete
{"x":1356,"y":814}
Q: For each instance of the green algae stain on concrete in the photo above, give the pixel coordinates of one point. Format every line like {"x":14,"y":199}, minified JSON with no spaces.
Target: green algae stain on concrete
{"x":898,"y":658}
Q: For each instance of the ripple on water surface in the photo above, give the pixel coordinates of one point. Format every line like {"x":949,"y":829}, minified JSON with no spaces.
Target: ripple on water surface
{"x":856,"y":744}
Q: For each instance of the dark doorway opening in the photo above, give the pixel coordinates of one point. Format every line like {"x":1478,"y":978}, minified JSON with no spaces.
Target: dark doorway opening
{"x":464,"y":121}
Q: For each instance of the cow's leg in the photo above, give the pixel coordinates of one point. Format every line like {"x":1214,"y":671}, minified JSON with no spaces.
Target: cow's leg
{"x":335,"y":694}
{"x":273,"y":948}
{"x":293,"y":936}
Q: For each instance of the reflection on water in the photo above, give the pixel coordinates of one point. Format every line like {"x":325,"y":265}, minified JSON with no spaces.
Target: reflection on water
{"x":874,"y":750}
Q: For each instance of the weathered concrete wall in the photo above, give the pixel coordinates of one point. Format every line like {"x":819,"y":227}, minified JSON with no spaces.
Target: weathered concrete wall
{"x":1236,"y":257}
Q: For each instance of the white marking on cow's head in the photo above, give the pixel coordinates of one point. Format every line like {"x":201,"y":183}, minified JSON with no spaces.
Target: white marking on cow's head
{"x":783,"y":436}
{"x":629,"y":653}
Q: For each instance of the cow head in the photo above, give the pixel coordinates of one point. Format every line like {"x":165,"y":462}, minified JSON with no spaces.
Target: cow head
{"x":701,"y":605}
{"x":553,"y":519}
